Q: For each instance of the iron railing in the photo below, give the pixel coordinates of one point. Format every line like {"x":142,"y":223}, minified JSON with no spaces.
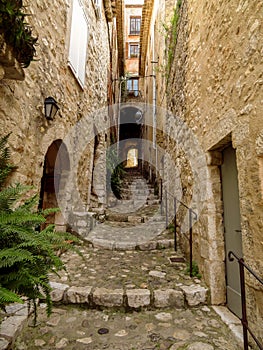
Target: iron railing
{"x":191,"y":216}
{"x":242,"y":266}
{"x":133,"y":93}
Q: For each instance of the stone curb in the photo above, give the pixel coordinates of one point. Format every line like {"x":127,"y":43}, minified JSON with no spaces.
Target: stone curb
{"x":93,"y":297}
{"x":144,"y":246}
{"x":12,"y":325}
{"x":131,"y":298}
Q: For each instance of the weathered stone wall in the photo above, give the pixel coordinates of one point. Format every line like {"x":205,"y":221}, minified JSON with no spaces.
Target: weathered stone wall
{"x":215,"y":87}
{"x":21,"y":102}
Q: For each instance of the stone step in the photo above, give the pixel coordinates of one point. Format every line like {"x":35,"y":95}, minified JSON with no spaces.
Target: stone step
{"x":158,"y":244}
{"x":153,"y":201}
{"x":119,"y":217}
{"x":129,"y":299}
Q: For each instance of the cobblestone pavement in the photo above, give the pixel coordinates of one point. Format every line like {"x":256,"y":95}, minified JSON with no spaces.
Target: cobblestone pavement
{"x":78,"y":327}
{"x":129,"y":299}
{"x":75,"y":328}
{"x":117,"y":269}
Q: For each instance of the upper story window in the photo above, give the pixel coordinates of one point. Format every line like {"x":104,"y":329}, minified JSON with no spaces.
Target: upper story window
{"x":78,"y":42}
{"x":133,"y":50}
{"x":135,"y":25}
{"x":133,"y":86}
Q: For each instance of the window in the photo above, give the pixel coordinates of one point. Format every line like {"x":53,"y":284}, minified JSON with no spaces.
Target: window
{"x":133,"y":86}
{"x":78,"y":42}
{"x":135,"y":25}
{"x":133,"y":50}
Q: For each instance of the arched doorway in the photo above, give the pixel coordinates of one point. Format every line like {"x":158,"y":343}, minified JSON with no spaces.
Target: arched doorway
{"x":55,"y":171}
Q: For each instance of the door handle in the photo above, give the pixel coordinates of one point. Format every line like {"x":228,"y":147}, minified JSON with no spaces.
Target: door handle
{"x":238,"y":231}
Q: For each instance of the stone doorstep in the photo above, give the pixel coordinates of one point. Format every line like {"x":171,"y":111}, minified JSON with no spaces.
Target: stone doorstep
{"x":145,"y":246}
{"x":233,"y":322}
{"x":131,"y":298}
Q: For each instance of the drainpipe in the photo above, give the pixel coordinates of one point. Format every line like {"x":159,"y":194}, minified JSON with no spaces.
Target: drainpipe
{"x":122,"y":80}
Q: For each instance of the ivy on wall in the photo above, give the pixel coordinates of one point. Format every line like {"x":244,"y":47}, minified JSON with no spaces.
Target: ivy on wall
{"x":17,"y":33}
{"x":171,"y":36}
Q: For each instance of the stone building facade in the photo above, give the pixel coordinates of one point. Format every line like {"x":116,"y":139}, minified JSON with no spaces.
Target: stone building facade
{"x":212,"y":134}
{"x":77,"y":62}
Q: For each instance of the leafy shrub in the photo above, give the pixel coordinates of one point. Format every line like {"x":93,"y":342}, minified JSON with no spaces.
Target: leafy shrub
{"x":27,"y":255}
{"x":17,"y":33}
{"x":195,"y":270}
{"x":115,"y":172}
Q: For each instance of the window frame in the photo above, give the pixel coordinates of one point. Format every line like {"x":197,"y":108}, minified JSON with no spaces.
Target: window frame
{"x":135,"y":31}
{"x":133,"y":83}
{"x":135,"y":54}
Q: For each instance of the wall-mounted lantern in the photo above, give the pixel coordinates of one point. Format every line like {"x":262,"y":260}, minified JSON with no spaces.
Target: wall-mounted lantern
{"x":51,"y":108}
{"x":138,"y":117}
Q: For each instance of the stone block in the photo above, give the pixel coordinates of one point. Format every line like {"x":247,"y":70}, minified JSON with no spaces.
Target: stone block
{"x":168,"y":298}
{"x":58,"y":290}
{"x":195,"y":295}
{"x":200,"y":346}
{"x":134,"y":219}
{"x":10,"y":327}
{"x":108,"y":297}
{"x":138,"y":298}
{"x":82,"y":223}
{"x":147,"y":246}
{"x":78,"y":295}
{"x":125,"y":245}
{"x":3,"y":344}
{"x":165,"y":243}
{"x":103,"y":243}
{"x":157,"y":274}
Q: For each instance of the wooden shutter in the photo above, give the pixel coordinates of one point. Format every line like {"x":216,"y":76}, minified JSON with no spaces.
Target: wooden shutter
{"x":78,"y":42}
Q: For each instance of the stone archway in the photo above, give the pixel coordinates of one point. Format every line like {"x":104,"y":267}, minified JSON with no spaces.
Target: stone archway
{"x":55,"y":171}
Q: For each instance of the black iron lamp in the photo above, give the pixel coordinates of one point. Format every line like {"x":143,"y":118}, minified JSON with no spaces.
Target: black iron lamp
{"x":138,"y":117}
{"x":51,"y":108}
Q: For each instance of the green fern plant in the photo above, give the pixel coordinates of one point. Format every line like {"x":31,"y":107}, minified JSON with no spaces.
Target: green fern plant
{"x":27,"y":255}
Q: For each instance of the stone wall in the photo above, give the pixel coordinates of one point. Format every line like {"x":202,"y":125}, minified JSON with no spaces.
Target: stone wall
{"x":214,"y":88}
{"x":21,"y":102}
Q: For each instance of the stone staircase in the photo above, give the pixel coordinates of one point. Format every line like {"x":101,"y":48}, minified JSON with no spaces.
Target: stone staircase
{"x":138,"y":200}
{"x":126,"y":266}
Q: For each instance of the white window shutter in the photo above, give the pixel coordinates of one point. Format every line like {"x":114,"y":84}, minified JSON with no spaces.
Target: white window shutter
{"x":83,"y":37}
{"x":78,"y":42}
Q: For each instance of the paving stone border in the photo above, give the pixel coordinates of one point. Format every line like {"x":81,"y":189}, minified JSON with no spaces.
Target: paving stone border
{"x":129,"y":298}
{"x":144,"y":246}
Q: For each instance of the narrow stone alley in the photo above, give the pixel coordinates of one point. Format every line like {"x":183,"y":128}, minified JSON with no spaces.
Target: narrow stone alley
{"x":134,"y":131}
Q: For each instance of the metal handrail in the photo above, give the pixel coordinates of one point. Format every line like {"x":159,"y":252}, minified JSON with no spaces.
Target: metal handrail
{"x":244,"y":321}
{"x":192,"y":214}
